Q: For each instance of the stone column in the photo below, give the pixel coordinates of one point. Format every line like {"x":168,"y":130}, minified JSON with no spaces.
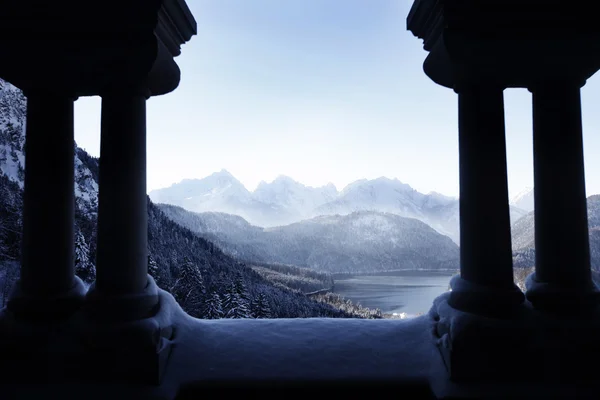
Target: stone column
{"x":48,"y":286}
{"x":121,"y":264}
{"x":562,"y":278}
{"x":125,"y":326}
{"x":486,"y":282}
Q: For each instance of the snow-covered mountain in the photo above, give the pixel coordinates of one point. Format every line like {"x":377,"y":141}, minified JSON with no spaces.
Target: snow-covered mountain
{"x":285,"y":201}
{"x":523,"y":199}
{"x":294,"y":197}
{"x":280,"y":202}
{"x":363,"y":241}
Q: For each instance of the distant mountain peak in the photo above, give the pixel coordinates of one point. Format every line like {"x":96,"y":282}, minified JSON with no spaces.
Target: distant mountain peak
{"x":524,"y":199}
{"x":386,"y":179}
{"x":286,"y":180}
{"x":223,"y":173}
{"x":441,"y":197}
{"x":524,"y":192}
{"x":330,"y":186}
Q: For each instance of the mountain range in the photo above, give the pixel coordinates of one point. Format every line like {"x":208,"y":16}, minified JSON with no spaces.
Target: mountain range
{"x":285,"y":201}
{"x":359,"y":242}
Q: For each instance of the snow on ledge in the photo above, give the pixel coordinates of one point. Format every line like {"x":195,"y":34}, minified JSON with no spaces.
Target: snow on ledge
{"x":299,"y":349}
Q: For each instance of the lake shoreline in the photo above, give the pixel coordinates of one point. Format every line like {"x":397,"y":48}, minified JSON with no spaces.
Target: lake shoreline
{"x":395,"y":272}
{"x":398,"y":294}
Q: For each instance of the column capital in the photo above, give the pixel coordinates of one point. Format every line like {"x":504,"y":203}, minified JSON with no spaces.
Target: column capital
{"x":33,"y":91}
{"x":127,"y":89}
{"x":550,"y":84}
{"x":464,"y":87}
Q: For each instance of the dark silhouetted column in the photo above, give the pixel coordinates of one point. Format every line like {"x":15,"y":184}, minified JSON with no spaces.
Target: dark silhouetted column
{"x":486,"y":282}
{"x":562,"y":277}
{"x":48,"y":285}
{"x":121,"y":264}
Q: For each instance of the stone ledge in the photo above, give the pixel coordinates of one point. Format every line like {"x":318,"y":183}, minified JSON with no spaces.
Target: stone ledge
{"x":528,"y":346}
{"x":209,"y":356}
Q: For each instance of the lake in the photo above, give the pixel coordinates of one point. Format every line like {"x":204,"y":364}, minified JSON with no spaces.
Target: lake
{"x":409,"y":292}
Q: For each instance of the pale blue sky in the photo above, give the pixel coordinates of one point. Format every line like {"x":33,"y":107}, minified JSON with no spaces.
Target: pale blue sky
{"x":322,"y":91}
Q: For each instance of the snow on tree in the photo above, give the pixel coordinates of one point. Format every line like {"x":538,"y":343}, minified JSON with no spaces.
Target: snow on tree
{"x":9,"y":274}
{"x":152,"y":266}
{"x":240,"y":288}
{"x":188,"y":288}
{"x":84,"y":268}
{"x":174,"y":258}
{"x":3,"y":246}
{"x":260,"y":307}
{"x":213,"y":308}
{"x":234,"y":305}
{"x":159,"y":275}
{"x":153,"y":269}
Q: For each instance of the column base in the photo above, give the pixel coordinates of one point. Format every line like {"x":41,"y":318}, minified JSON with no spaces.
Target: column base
{"x":484,"y":300}
{"x":527,"y":347}
{"x":128,"y":338}
{"x":23,"y":305}
{"x":102,"y":306}
{"x":86,"y":350}
{"x":34,"y":350}
{"x":562,"y":299}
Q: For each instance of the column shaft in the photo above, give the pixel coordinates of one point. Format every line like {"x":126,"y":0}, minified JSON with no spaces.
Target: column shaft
{"x":562,"y":281}
{"x":486,"y":282}
{"x":485,"y":242}
{"x":561,"y":226}
{"x":122,"y":209}
{"x":47,"y":266}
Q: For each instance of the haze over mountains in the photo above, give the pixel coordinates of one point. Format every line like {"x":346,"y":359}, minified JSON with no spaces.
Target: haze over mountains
{"x":360,"y":242}
{"x":285,"y":201}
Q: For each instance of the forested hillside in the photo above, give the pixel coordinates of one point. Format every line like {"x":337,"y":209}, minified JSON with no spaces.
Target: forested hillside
{"x":360,"y":242}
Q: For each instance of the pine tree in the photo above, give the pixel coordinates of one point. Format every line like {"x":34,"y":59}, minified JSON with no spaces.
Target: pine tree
{"x":240,"y":289}
{"x":153,"y":270}
{"x":84,"y":268}
{"x":3,"y":246}
{"x":11,"y":275}
{"x":189,"y":289}
{"x":152,"y":267}
{"x":174,"y":258}
{"x":261,"y":307}
{"x":213,"y":309}
{"x":234,"y":306}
